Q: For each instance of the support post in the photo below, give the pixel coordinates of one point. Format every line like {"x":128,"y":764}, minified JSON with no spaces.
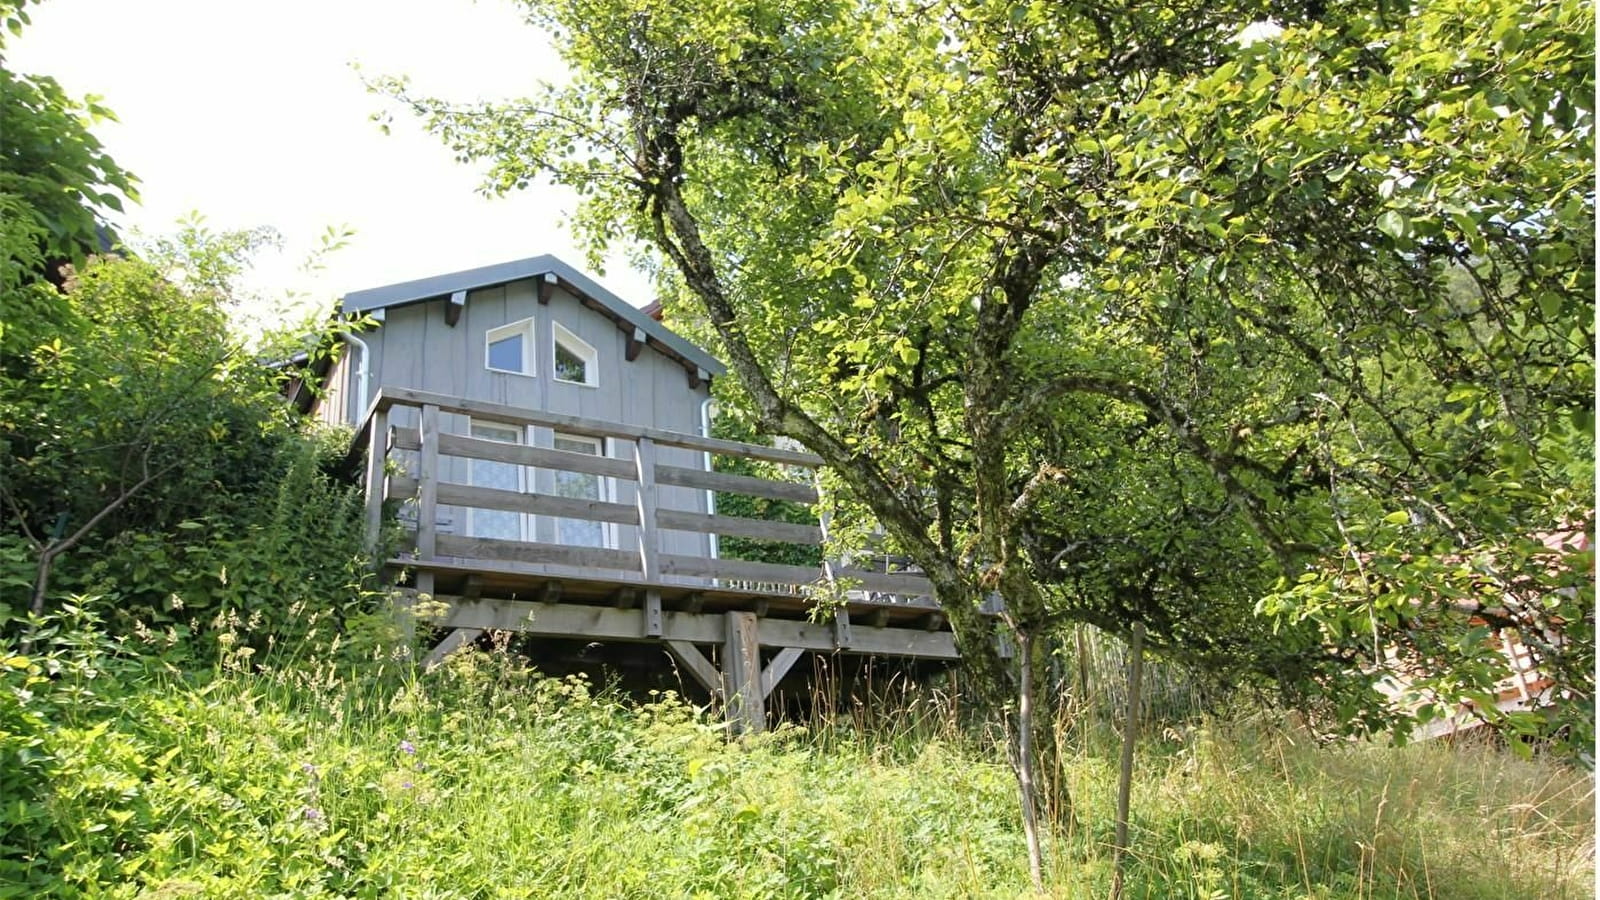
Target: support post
{"x":745,"y":706}
{"x":644,"y":457}
{"x":377,"y":457}
{"x":428,"y":485}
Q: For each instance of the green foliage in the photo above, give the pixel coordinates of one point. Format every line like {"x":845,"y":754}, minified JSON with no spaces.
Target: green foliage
{"x":1122,"y":316}
{"x":485,"y":779}
{"x":51,"y":165}
{"x":735,"y":428}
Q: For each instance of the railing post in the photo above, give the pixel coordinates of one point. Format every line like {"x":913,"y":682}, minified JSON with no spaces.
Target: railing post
{"x":376,"y":484}
{"x":428,"y":485}
{"x":644,"y":457}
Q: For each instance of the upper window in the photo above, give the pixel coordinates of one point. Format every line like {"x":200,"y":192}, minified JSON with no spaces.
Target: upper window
{"x":575,"y":360}
{"x":509,"y":348}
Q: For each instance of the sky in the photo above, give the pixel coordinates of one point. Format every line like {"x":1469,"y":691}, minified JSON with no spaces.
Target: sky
{"x":252,"y":115}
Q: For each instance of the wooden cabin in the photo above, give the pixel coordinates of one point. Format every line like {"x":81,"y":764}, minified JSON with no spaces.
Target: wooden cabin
{"x":545,"y":446}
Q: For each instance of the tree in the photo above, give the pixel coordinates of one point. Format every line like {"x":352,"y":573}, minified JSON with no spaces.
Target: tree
{"x":1057,"y":289}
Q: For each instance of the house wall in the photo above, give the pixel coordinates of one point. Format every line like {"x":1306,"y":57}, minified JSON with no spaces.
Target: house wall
{"x":415,"y":348}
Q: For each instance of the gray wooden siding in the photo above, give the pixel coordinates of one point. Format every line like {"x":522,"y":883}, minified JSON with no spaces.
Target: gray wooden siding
{"x":415,"y":348}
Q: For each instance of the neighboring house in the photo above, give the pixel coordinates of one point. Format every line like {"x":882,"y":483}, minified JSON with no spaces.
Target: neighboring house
{"x":535,"y":334}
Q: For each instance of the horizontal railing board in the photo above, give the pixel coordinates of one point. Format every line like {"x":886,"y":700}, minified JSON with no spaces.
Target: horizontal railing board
{"x":737,"y":526}
{"x":889,"y":582}
{"x":532,"y":552}
{"x":538,"y":504}
{"x":452,"y":494}
{"x":388,"y":397}
{"x":736,"y":484}
{"x":738,"y":569}
{"x":542,"y":457}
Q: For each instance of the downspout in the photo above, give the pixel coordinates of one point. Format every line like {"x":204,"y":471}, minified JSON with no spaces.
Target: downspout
{"x":707,"y":409}
{"x":355,"y":411}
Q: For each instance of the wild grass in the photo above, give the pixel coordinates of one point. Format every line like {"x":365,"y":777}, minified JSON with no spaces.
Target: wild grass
{"x":487,"y":780}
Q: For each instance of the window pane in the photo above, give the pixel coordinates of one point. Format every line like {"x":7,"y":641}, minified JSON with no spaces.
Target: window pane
{"x":506,"y":354}
{"x":570,"y":366}
{"x":578,"y":486}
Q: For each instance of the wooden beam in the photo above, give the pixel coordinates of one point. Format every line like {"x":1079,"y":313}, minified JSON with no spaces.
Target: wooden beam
{"x":528,"y":455}
{"x":761,"y":607}
{"x":550,"y":592}
{"x":842,"y":636}
{"x":377,"y":457}
{"x":636,"y":342}
{"x":653,"y":624}
{"x":779,"y":667}
{"x":453,"y":308}
{"x":933,"y":621}
{"x":534,"y":504}
{"x":644,"y":457}
{"x":737,"y":526}
{"x":428,"y":485}
{"x":625,"y":598}
{"x":473,"y":588}
{"x":736,"y":484}
{"x":697,"y":377}
{"x":699,"y":667}
{"x":878,"y":617}
{"x":547,"y":286}
{"x":741,"y":674}
{"x":694,"y":602}
{"x":452,"y":642}
{"x":387,"y":397}
{"x":532,"y":552}
{"x":605,"y":623}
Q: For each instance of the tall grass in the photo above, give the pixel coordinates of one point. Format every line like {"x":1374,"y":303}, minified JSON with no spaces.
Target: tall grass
{"x":487,"y":780}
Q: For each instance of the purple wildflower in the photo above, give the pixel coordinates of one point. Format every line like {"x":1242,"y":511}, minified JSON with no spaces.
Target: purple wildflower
{"x":407,"y":747}
{"x":311,"y":813}
{"x":406,"y":785}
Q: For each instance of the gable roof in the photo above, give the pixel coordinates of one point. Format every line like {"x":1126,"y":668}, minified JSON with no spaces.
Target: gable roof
{"x":590,"y":293}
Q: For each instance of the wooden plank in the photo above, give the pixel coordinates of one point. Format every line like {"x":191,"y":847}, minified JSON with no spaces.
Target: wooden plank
{"x":741,"y":674}
{"x":377,"y":457}
{"x":605,"y":623}
{"x":904,"y":584}
{"x":451,"y":643}
{"x":779,"y":667}
{"x":842,"y":635}
{"x":738,"y":570}
{"x":736,"y":484}
{"x":531,"y":552}
{"x":526,"y":455}
{"x":698,"y":666}
{"x":406,"y":439}
{"x":625,"y":598}
{"x":428,"y":485}
{"x":573,"y":621}
{"x":537,"y":504}
{"x":652,"y":613}
{"x":758,"y":529}
{"x":550,"y":592}
{"x":644,"y":457}
{"x":636,"y":342}
{"x":390,"y":396}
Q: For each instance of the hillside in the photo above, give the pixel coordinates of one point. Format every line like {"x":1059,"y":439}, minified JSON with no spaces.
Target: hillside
{"x":124,"y":779}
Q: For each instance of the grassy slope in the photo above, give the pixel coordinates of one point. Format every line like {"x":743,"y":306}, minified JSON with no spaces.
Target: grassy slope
{"x":484,"y":782}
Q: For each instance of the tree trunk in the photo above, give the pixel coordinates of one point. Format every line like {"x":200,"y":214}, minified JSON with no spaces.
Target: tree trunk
{"x":1130,"y":734}
{"x":1027,"y":783}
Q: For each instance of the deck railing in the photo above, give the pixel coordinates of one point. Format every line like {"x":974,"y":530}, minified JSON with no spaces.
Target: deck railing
{"x":421,"y":481}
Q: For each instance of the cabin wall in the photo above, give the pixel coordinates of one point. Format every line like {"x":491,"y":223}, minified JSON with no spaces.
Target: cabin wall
{"x":416,"y":348}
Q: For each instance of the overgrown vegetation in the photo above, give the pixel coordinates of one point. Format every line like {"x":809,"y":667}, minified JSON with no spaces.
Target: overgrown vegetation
{"x":323,"y":777}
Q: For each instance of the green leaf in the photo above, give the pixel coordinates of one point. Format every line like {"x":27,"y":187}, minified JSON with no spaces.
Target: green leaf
{"x":1394,"y":224}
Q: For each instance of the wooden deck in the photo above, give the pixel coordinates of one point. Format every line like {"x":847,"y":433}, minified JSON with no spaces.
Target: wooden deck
{"x":736,"y":626}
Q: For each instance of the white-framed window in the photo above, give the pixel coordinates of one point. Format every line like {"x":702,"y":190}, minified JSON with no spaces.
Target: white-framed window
{"x":497,"y":523}
{"x":509,"y":348}
{"x":583,"y":486}
{"x":574,"y":361}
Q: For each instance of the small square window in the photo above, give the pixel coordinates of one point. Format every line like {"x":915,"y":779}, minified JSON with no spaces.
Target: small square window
{"x":509,"y":348}
{"x":574,"y":360}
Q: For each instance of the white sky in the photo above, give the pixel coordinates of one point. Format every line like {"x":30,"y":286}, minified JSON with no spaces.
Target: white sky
{"x":250,"y":114}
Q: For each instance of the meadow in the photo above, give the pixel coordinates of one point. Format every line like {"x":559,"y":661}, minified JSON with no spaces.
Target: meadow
{"x":124,"y":776}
